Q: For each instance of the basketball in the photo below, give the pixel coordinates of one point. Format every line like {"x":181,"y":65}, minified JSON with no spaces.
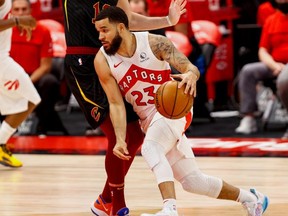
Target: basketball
{"x":171,"y":101}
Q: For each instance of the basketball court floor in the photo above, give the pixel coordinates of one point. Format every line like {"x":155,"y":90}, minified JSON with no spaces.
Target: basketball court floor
{"x":62,"y":176}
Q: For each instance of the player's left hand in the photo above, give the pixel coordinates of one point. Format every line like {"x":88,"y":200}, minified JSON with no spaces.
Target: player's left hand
{"x":176,"y":9}
{"x":120,"y":150}
{"x":189,"y":79}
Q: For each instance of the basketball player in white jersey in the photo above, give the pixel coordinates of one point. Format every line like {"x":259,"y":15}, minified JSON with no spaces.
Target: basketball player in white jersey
{"x":139,"y":64}
{"x":18,"y":96}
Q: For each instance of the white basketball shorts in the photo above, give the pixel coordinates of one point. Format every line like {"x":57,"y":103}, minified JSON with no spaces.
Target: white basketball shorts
{"x":16,"y":88}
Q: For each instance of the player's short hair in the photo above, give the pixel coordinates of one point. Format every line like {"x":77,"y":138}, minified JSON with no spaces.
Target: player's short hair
{"x":28,"y":1}
{"x":114,"y":14}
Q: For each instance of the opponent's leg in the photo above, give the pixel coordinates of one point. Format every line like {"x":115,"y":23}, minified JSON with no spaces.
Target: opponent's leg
{"x":116,"y":173}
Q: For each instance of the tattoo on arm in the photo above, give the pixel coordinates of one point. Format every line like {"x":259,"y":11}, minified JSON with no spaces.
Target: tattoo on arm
{"x":164,"y":49}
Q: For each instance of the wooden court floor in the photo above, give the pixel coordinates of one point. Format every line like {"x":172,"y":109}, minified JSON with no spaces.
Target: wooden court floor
{"x":62,"y":185}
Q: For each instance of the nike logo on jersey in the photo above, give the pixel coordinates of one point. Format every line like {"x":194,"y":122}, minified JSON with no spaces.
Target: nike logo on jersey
{"x":116,"y":65}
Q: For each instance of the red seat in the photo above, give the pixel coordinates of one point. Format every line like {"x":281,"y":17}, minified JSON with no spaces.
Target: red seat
{"x":180,"y":41}
{"x":206,"y":32}
{"x":59,"y":44}
{"x":58,"y":37}
{"x":52,"y":25}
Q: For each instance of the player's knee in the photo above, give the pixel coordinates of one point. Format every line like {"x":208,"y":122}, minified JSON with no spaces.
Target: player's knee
{"x":150,"y":153}
{"x":199,"y":183}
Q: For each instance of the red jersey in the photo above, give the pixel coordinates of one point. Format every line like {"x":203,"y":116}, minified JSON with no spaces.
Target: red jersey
{"x":40,"y":46}
{"x":274,"y":36}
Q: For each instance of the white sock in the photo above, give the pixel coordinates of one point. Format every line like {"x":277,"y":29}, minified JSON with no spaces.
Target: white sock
{"x":169,"y":204}
{"x":6,"y":131}
{"x":246,"y":196}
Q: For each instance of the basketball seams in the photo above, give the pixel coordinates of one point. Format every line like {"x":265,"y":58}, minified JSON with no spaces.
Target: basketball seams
{"x":162,"y":99}
{"x":185,"y":110}
{"x":175,"y":100}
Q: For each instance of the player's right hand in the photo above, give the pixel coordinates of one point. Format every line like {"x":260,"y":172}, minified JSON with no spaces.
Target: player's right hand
{"x":120,"y":150}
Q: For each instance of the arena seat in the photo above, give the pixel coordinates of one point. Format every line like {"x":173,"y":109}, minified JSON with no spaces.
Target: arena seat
{"x":52,"y":25}
{"x":208,"y":36}
{"x":206,"y":32}
{"x":58,"y":37}
{"x":180,"y":41}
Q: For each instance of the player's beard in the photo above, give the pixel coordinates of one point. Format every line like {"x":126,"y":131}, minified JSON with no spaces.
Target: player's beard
{"x":115,"y":44}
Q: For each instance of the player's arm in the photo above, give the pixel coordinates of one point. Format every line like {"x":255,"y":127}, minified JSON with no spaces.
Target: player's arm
{"x":116,"y":104}
{"x":164,"y":49}
{"x":140,"y":22}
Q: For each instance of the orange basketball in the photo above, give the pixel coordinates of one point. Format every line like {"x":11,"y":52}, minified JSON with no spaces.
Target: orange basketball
{"x":171,"y":101}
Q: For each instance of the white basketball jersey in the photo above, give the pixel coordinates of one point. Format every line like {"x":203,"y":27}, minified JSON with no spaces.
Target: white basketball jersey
{"x":139,"y":77}
{"x":5,"y":36}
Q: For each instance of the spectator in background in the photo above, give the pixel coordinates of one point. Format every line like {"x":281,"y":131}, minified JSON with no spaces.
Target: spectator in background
{"x":273,"y":49}
{"x":35,"y":56}
{"x":18,"y":96}
{"x":265,"y":9}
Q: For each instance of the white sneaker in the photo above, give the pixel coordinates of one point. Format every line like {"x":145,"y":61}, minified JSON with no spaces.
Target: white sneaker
{"x":163,"y":212}
{"x":247,"y":125}
{"x":259,"y":207}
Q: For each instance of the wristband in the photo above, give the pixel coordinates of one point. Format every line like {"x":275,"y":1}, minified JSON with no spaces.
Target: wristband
{"x":168,"y":20}
{"x":16,"y":21}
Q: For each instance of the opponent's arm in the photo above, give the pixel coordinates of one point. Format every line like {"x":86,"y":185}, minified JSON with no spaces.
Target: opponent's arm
{"x":164,"y":49}
{"x":140,"y":22}
{"x":116,"y":105}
